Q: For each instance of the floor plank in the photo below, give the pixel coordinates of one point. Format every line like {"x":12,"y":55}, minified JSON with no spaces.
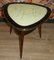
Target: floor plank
{"x":35,"y":48}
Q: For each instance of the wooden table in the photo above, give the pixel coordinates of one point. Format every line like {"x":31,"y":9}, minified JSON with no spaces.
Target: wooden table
{"x":24,"y":18}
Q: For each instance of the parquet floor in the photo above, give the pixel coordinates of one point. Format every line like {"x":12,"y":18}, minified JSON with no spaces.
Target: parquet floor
{"x":35,"y":48}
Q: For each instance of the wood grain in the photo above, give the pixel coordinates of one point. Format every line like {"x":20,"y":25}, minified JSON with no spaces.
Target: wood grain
{"x":35,"y":48}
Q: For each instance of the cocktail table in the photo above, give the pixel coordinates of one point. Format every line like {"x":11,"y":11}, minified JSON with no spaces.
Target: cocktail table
{"x":25,"y":17}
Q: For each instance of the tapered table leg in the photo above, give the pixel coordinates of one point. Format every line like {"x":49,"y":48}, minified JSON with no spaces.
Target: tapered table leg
{"x":39,"y":30}
{"x":21,"y":39}
{"x":10,"y":29}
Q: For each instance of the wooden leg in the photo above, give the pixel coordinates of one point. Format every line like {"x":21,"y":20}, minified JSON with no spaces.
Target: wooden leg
{"x":39,"y":30}
{"x":21,"y":39}
{"x":10,"y":30}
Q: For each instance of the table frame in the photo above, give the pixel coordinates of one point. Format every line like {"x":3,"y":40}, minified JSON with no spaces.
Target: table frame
{"x":23,"y":30}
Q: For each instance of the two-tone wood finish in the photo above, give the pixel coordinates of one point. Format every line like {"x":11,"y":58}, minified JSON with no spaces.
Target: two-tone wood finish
{"x":25,"y":29}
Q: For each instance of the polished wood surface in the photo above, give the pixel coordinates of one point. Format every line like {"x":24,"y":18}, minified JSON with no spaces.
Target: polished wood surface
{"x":35,"y":48}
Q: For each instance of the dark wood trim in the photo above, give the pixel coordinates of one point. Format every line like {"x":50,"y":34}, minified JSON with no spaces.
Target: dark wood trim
{"x":29,"y":26}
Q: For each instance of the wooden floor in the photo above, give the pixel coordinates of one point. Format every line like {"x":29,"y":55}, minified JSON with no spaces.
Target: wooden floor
{"x":35,"y":48}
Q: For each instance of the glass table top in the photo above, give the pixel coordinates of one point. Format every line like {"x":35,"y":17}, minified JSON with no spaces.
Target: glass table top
{"x":26,"y":14}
